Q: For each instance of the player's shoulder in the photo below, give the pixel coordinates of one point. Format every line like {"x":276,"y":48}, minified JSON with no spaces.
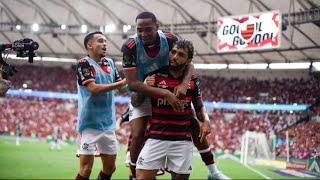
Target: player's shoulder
{"x":169,"y":35}
{"x":130,"y":43}
{"x":195,"y":77}
{"x":83,"y":60}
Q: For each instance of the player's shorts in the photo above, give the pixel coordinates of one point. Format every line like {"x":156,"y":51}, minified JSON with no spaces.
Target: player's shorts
{"x":175,"y":155}
{"x":141,"y":111}
{"x":95,"y":142}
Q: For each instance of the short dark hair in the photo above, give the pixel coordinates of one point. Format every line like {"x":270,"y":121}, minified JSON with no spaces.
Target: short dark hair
{"x":146,"y":15}
{"x":89,"y":37}
{"x":183,"y":43}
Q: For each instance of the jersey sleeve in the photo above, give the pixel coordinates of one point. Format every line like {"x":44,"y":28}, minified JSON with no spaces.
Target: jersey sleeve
{"x":84,"y":72}
{"x":129,"y":54}
{"x":197,"y":89}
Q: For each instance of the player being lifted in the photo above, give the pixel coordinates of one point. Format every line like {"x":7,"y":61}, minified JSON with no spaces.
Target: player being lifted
{"x":169,"y":135}
{"x":146,"y":52}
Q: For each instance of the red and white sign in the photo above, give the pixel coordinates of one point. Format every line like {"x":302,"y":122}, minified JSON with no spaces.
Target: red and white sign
{"x":249,"y":32}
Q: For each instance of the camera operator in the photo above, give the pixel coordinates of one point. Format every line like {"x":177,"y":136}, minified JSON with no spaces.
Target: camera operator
{"x":24,"y":48}
{"x":4,"y":84}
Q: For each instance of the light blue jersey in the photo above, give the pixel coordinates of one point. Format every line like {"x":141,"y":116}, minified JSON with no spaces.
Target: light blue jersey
{"x":96,"y":111}
{"x":146,"y":64}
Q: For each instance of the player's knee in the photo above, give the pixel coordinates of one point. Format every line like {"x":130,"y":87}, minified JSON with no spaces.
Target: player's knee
{"x":86,"y":170}
{"x":110,"y":169}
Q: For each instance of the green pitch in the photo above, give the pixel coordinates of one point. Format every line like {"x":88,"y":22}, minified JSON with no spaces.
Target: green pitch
{"x":35,"y":160}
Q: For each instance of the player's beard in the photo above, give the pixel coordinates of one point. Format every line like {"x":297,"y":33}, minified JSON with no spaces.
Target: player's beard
{"x":178,"y":67}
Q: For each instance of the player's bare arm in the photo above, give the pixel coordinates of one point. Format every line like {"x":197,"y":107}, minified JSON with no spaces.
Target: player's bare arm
{"x":181,"y":89}
{"x":98,"y":88}
{"x":205,"y":127}
{"x":140,"y":87}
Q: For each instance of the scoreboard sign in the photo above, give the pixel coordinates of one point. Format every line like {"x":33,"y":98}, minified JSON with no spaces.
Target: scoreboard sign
{"x":249,"y":32}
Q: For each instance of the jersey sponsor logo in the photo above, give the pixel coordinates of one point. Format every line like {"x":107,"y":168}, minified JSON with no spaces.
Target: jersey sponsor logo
{"x":164,"y":102}
{"x":162,"y":84}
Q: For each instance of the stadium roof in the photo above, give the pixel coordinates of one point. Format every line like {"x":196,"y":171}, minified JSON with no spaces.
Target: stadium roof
{"x":188,"y":19}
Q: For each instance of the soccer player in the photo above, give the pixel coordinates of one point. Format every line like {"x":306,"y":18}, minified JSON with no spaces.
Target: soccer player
{"x":19,"y":131}
{"x":147,"y":51}
{"x":57,"y":138}
{"x":169,"y":137}
{"x":97,"y":78}
{"x":143,"y":53}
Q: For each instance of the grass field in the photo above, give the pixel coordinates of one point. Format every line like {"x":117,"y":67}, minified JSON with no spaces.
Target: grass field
{"x":34,"y":160}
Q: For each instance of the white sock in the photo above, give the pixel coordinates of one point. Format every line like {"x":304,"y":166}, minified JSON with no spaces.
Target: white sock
{"x":213,"y":168}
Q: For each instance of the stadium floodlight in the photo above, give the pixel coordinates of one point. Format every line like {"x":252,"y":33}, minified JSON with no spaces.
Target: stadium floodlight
{"x":126,"y":28}
{"x":84,"y":28}
{"x":210,"y":66}
{"x":63,"y":26}
{"x":109,"y":28}
{"x":248,"y":66}
{"x":18,"y":27}
{"x":35,"y":27}
{"x":53,"y":59}
{"x":316,"y":66}
{"x":289,"y":65}
{"x":101,"y":28}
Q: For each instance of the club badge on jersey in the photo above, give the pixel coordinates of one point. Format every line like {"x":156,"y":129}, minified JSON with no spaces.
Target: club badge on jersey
{"x":106,"y":67}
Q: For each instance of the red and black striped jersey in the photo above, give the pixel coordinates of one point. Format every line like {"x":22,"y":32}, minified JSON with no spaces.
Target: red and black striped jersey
{"x":167,"y":124}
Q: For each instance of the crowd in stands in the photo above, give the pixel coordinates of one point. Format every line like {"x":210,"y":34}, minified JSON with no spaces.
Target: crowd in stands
{"x":228,"y":128}
{"x":40,"y":115}
{"x":288,"y":91}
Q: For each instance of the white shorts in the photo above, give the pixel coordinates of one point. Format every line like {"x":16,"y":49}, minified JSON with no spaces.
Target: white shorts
{"x":143,"y":110}
{"x":94,"y":142}
{"x":175,"y":155}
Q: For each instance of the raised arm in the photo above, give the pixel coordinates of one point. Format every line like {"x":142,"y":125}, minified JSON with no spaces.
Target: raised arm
{"x":181,"y":89}
{"x":86,"y":78}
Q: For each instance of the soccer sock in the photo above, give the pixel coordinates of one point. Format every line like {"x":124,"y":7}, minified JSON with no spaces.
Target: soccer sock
{"x":212,"y":168}
{"x":133,"y":170}
{"x":103,"y":176}
{"x":79,"y":177}
{"x":207,"y":156}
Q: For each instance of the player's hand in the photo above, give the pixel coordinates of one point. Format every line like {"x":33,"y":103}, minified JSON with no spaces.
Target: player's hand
{"x":123,"y":82}
{"x":205,"y":129}
{"x":151,"y":80}
{"x":174,"y":102}
{"x":181,"y":90}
